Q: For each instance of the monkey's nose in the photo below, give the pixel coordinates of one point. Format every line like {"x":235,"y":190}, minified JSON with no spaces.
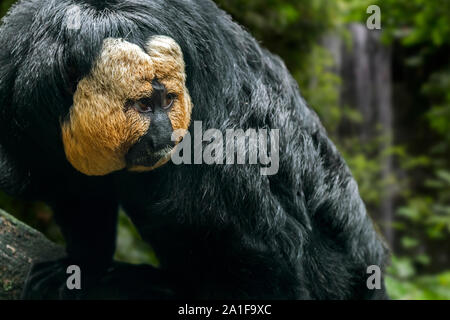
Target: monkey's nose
{"x":159,"y":135}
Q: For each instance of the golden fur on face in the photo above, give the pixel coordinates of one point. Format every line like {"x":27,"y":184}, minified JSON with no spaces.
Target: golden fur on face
{"x":100,"y":129}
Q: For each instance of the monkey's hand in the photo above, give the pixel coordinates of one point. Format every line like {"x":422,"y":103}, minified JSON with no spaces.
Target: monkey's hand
{"x":58,"y":280}
{"x":55,"y":280}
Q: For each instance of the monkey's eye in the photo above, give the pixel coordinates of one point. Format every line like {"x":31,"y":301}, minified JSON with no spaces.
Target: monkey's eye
{"x":142,"y":105}
{"x":170,"y":98}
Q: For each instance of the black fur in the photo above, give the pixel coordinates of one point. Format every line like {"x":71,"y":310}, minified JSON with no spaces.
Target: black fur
{"x":219,"y":231}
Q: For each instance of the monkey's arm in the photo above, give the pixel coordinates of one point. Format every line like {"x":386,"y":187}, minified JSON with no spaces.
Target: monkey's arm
{"x":88,"y":223}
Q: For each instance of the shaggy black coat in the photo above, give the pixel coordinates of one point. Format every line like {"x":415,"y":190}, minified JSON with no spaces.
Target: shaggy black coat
{"x":220,"y":231}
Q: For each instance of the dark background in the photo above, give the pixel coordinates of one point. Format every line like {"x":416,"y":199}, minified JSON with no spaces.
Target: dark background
{"x":384,"y":97}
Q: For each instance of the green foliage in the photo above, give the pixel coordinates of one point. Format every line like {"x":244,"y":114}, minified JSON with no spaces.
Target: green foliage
{"x":418,"y":21}
{"x":431,"y":214}
{"x":320,"y":86}
{"x":411,"y":21}
{"x":4,"y":6}
{"x":288,"y":28}
{"x":403,"y":284}
{"x":130,"y":246}
{"x":366,"y":162}
{"x":437,"y":89}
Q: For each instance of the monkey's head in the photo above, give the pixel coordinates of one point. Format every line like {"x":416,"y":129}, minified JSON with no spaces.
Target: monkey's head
{"x":125,"y":111}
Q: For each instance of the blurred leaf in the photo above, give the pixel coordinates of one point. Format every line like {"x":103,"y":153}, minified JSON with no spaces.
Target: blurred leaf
{"x":408,"y":242}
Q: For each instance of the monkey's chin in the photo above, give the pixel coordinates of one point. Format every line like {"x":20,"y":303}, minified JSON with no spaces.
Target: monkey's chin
{"x":163,"y":156}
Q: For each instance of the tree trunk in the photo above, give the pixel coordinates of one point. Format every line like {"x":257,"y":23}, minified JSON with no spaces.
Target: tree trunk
{"x":20,"y":247}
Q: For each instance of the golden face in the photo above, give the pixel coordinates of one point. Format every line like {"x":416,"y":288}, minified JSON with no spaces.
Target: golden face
{"x":129,"y":101}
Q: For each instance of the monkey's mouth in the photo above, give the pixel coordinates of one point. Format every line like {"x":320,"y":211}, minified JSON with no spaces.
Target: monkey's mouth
{"x":149,"y":160}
